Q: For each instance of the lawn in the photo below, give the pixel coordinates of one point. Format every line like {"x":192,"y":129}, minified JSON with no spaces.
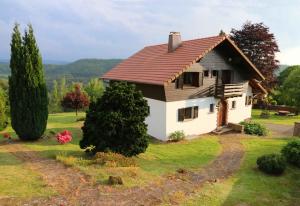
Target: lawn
{"x":159,"y":159}
{"x":18,"y":181}
{"x":274,"y":119}
{"x":250,"y":186}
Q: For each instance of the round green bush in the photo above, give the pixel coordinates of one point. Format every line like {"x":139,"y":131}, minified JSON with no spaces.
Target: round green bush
{"x":271,"y":164}
{"x":116,"y":122}
{"x":292,"y":152}
{"x":254,"y":128}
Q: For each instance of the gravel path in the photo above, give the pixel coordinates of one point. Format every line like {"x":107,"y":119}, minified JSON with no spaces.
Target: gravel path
{"x":75,"y":188}
{"x":280,"y":130}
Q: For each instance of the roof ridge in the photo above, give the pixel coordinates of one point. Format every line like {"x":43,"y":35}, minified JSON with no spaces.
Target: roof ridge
{"x":197,"y":39}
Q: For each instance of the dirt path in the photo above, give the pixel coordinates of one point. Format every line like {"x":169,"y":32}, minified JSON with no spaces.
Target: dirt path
{"x":280,"y":130}
{"x":75,"y":188}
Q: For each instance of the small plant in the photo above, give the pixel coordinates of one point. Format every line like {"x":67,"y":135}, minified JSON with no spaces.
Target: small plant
{"x":176,"y":136}
{"x":253,"y":128}
{"x":265,"y":114}
{"x":292,"y":152}
{"x":64,"y":137}
{"x":111,"y":159}
{"x":272,"y":164}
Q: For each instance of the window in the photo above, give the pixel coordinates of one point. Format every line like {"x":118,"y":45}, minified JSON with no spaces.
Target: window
{"x":214,"y":73}
{"x":212,"y":108}
{"x":233,"y":104}
{"x":189,"y":79}
{"x":206,"y":73}
{"x":248,"y":100}
{"x":187,"y":113}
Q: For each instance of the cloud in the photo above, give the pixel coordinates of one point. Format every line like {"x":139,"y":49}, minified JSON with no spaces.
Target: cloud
{"x":290,"y":56}
{"x":71,"y":29}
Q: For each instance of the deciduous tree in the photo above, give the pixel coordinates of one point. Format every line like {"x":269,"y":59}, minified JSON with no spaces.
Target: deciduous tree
{"x":94,"y":89}
{"x":75,"y":99}
{"x":259,"y":45}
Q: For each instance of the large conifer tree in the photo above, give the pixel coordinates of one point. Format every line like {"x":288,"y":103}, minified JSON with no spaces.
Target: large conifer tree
{"x":27,"y":87}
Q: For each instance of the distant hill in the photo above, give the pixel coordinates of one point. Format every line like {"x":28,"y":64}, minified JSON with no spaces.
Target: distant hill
{"x":79,"y":71}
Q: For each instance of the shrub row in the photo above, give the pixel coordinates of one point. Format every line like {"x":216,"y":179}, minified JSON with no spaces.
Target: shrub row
{"x":276,"y":163}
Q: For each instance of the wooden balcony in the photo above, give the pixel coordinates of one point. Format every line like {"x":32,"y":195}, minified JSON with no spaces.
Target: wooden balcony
{"x":229,"y":90}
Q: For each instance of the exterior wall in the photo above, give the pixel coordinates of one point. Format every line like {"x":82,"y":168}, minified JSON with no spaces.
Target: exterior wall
{"x":163,"y":118}
{"x":242,"y":111}
{"x":206,"y":121}
{"x":156,"y":121}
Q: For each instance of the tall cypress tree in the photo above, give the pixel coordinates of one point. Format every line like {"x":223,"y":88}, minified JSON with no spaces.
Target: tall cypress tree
{"x":27,"y":88}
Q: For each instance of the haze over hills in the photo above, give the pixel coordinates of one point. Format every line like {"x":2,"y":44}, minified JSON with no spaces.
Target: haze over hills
{"x":79,"y":71}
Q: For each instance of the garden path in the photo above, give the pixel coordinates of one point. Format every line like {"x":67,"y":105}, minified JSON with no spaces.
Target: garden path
{"x":76,"y":188}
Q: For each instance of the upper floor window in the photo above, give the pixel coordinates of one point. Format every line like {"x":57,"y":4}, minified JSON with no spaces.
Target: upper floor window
{"x":189,"y":79}
{"x":214,"y":73}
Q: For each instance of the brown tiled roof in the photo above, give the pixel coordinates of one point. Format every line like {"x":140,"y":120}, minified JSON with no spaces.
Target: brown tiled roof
{"x":155,"y":65}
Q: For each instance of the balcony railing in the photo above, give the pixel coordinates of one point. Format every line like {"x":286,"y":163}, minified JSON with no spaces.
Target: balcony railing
{"x":229,"y":90}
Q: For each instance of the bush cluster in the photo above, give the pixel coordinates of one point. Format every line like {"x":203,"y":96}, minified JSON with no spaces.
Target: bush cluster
{"x":253,"y":128}
{"x":272,"y":164}
{"x":176,"y":136}
{"x":292,"y":152}
{"x":3,"y":110}
{"x":111,"y":159}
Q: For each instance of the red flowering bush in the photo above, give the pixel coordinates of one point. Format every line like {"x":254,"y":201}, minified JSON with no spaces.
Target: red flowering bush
{"x":64,"y":137}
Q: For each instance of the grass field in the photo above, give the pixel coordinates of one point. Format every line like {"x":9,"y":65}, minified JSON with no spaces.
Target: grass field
{"x":247,"y":187}
{"x":250,"y":186}
{"x":274,"y":119}
{"x":159,"y":159}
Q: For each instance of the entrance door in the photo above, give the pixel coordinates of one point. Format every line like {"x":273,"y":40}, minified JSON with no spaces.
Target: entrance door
{"x":226,"y":76}
{"x":222,"y":113}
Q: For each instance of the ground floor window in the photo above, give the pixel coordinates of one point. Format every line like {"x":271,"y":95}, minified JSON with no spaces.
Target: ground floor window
{"x":187,"y":113}
{"x":212,"y":108}
{"x":248,"y":100}
{"x":233,"y":104}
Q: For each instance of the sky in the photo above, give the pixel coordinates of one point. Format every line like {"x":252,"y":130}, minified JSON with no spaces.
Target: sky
{"x":67,"y":30}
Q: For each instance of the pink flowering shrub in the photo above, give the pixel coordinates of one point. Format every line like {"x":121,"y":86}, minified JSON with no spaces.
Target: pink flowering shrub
{"x":6,"y":136}
{"x":64,"y":137}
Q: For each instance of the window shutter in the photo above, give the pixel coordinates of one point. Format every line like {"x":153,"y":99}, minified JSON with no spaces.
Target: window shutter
{"x":179,"y":82}
{"x":180,"y":115}
{"x":200,"y":79}
{"x":195,"y":112}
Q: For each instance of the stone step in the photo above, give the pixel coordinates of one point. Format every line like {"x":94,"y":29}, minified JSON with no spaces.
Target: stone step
{"x":223,"y":130}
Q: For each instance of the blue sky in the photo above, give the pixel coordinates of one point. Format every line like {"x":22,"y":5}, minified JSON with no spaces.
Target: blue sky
{"x":67,"y":30}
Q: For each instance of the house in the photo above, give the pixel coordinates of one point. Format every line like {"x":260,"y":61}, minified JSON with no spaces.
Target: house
{"x":195,"y":86}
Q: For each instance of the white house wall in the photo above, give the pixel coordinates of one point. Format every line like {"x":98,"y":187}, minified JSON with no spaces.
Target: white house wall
{"x":206,"y":121}
{"x":242,"y":111}
{"x":156,"y":121}
{"x":163,"y":118}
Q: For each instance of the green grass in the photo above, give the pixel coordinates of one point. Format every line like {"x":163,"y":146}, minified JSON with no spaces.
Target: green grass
{"x":18,"y":181}
{"x":274,"y":119}
{"x":250,"y":186}
{"x":159,"y":159}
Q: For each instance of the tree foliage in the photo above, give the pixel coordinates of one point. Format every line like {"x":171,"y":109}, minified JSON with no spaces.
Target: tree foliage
{"x":94,"y":89}
{"x":260,"y":46}
{"x":290,"y":90}
{"x":75,"y":99}
{"x":3,"y":109}
{"x":27,"y":89}
{"x":116,"y":122}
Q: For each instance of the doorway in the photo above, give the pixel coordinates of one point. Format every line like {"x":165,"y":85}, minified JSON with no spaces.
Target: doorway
{"x":222,"y":113}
